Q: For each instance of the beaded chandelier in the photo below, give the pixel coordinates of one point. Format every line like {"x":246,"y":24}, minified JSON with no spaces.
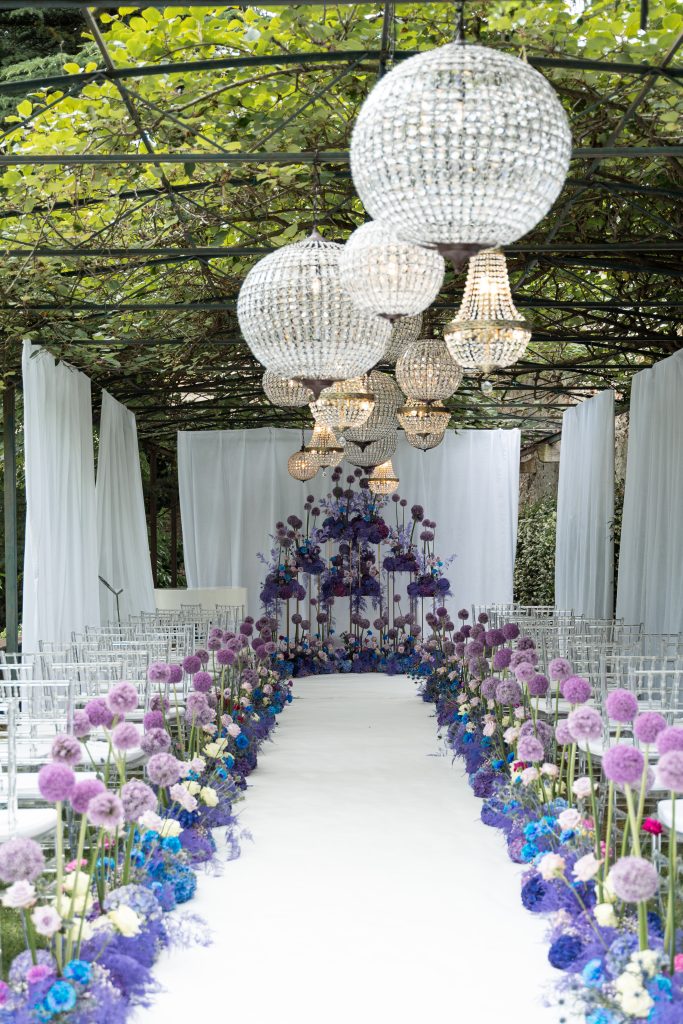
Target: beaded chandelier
{"x":387,"y":276}
{"x":461,"y":148}
{"x":487,"y":330}
{"x":383,"y":480}
{"x":324,"y":446}
{"x":302,"y":465}
{"x":370,"y":453}
{"x":403,"y":331}
{"x":284,"y":392}
{"x":427,"y":371}
{"x":425,"y":441}
{"x":423,"y":418}
{"x":345,"y":405}
{"x":382,"y":420}
{"x":300,"y":324}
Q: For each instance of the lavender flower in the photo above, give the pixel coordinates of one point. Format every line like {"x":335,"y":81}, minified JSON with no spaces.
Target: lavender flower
{"x":488,"y":688}
{"x":520,"y":658}
{"x":202,"y":682}
{"x":669,"y":739}
{"x":159,"y":703}
{"x":83,"y":792}
{"x":227,"y":657}
{"x":575,"y":689}
{"x":525,"y":643}
{"x":623,"y":764}
{"x":670,"y":770}
{"x":197,"y":710}
{"x":137,"y":797}
{"x":559,"y":669}
{"x":538,"y":685}
{"x":56,"y":782}
{"x":163,"y":769}
{"x":123,"y":697}
{"x":159,"y":672}
{"x":634,"y":879}
{"x":525,"y":672}
{"x":648,"y":725}
{"x":191,"y":664}
{"x":530,"y":749}
{"x":155,"y":741}
{"x":125,"y":736}
{"x":106,"y":811}
{"x":66,"y":749}
{"x":21,"y":860}
{"x":621,"y":705}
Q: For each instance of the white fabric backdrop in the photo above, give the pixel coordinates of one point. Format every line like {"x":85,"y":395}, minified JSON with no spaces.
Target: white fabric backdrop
{"x":234,"y":485}
{"x":650,"y":584}
{"x":584,"y":550}
{"x":60,"y":557}
{"x":121,"y":525}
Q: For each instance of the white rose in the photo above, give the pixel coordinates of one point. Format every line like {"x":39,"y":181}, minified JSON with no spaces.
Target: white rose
{"x":125,"y":920}
{"x":569,"y":819}
{"x":604,"y":915}
{"x":586,"y":868}
{"x":551,"y":865}
{"x":209,"y":796}
{"x":19,"y":896}
{"x":151,"y":820}
{"x":46,"y":921}
{"x":78,"y":880}
{"x":192,"y":787}
{"x":169,"y":828}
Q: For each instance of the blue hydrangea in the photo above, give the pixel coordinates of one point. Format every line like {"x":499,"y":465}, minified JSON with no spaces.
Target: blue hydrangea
{"x":593,"y":973}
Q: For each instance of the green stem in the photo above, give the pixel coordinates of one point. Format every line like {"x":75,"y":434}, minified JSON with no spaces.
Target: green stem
{"x":59,"y":856}
{"x":79,"y":857}
{"x":670,"y":932}
{"x":30,"y":935}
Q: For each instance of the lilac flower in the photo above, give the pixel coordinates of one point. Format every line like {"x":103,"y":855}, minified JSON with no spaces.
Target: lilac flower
{"x":66,"y":749}
{"x":137,"y":797}
{"x":494,"y":638}
{"x":669,"y":739}
{"x":501,"y":659}
{"x":123,"y":698}
{"x":648,"y":725}
{"x":83,"y":792}
{"x":634,"y":879}
{"x":575,"y":689}
{"x":197,"y":709}
{"x":538,"y":685}
{"x":21,"y":860}
{"x":621,"y":705}
{"x":246,"y":629}
{"x":56,"y":782}
{"x":559,"y":669}
{"x":510,"y":631}
{"x":81,"y":723}
{"x":213,"y":643}
{"x":202,"y":655}
{"x":508,"y":691}
{"x":202,"y":682}
{"x":98,"y":712}
{"x":530,"y":749}
{"x":191,"y":664}
{"x":125,"y":736}
{"x":155,"y":741}
{"x":175,"y":674}
{"x":623,"y":764}
{"x":106,"y":811}
{"x":585,"y":724}
{"x":562,"y":733}
{"x":153,"y":720}
{"x":670,"y":770}
{"x":163,"y":769}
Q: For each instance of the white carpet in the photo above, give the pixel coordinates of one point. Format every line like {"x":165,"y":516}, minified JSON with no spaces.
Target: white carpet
{"x":371,"y":892}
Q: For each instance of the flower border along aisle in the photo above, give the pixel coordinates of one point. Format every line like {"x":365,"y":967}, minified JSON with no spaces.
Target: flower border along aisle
{"x":609,"y":895}
{"x":127,"y":850}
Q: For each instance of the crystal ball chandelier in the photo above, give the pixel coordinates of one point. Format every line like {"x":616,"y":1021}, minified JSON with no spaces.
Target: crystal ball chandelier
{"x":423,"y":418}
{"x":383,"y":480}
{"x":284,"y":392}
{"x":425,"y":441}
{"x":487,"y":330}
{"x":461,"y":148}
{"x":427,"y":371}
{"x":384,"y":275}
{"x":345,"y":405}
{"x":382,"y":420}
{"x":403,"y":332}
{"x":372,"y":453}
{"x":324,"y":446}
{"x":299,"y":323}
{"x":302,"y":465}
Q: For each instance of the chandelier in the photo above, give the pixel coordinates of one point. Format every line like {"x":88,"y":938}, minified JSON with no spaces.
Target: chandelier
{"x":487,"y":330}
{"x":387,"y":276}
{"x":383,"y":480}
{"x":302,"y":465}
{"x":461,"y":148}
{"x":382,"y":420}
{"x":299,"y":323}
{"x":427,"y":371}
{"x":403,"y":332}
{"x":370,"y":453}
{"x":345,"y":405}
{"x":324,"y":446}
{"x":281,"y":391}
{"x":423,"y":418}
{"x":425,"y":441}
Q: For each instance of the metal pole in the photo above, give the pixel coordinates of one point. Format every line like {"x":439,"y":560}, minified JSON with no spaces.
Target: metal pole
{"x":153,"y":514}
{"x":10,"y":505}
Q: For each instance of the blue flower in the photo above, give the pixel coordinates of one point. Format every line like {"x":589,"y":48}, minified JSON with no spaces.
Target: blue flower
{"x":171,"y":843}
{"x":511,"y":757}
{"x":601,"y":1017}
{"x":533,"y":892}
{"x":229,"y":761}
{"x":593,"y":973}
{"x":79,"y":970}
{"x":530,"y":830}
{"x":528,"y":852}
{"x":497,"y":764}
{"x":660,"y":989}
{"x":566,"y":835}
{"x":564,"y":951}
{"x":61,"y":997}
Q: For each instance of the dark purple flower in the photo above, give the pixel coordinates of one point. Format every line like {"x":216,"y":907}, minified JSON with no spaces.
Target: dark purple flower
{"x":510,"y":631}
{"x":153,"y":720}
{"x":538,"y":685}
{"x":175,"y":674}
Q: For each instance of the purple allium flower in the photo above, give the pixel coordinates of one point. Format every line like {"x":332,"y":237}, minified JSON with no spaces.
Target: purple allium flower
{"x":442,"y":613}
{"x":575,"y":689}
{"x":562,"y":733}
{"x":202,"y":682}
{"x":81,"y":723}
{"x":463,"y":614}
{"x":175,"y":674}
{"x":158,"y":702}
{"x":155,"y":741}
{"x":214,"y":643}
{"x":197,"y":709}
{"x":98,"y":712}
{"x":137,"y":797}
{"x":670,"y":770}
{"x":66,"y":749}
{"x":623,"y":764}
{"x":125,"y":736}
{"x":530,"y":749}
{"x":482,"y":617}
{"x":202,"y":655}
{"x":123,"y":697}
{"x":525,"y":643}
{"x":159,"y":672}
{"x":669,"y":739}
{"x":153,"y":720}
{"x":246,"y":629}
{"x":634,"y":879}
{"x":525,"y":672}
{"x":83,"y":792}
{"x":585,"y":724}
{"x":538,"y":685}
{"x":521,"y":658}
{"x":106,"y":811}
{"x":621,"y":705}
{"x":21,"y":860}
{"x":191,"y":664}
{"x":501,"y":659}
{"x":225,"y":656}
{"x":163,"y":769}
{"x":540,"y":729}
{"x":647,"y":726}
{"x":510,"y":631}
{"x":474,"y":649}
{"x":494,"y":638}
{"x":488,"y":688}
{"x":559,"y":669}
{"x":508,"y":691}
{"x":55,"y":782}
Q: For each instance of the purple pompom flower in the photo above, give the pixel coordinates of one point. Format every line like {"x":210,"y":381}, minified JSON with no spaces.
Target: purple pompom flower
{"x":647,"y":726}
{"x":153,"y":720}
{"x":125,"y":736}
{"x":83,"y":792}
{"x":669,"y":739}
{"x":585,"y":724}
{"x":634,"y":879}
{"x":81,"y":723}
{"x":123,"y":698}
{"x":488,"y":688}
{"x":621,"y":705}
{"x":163,"y":769}
{"x":563,"y":734}
{"x":191,"y":664}
{"x":159,"y":672}
{"x":525,"y":643}
{"x":155,"y":741}
{"x":510,"y":631}
{"x":202,"y":682}
{"x":508,"y":691}
{"x":66,"y":749}
{"x":137,"y":797}
{"x":175,"y":674}
{"x":670,"y":770}
{"x":98,"y":712}
{"x":226,"y":656}
{"x":559,"y":669}
{"x":158,"y":702}
{"x":501,"y":659}
{"x":575,"y":689}
{"x":21,"y":860}
{"x":623,"y":764}
{"x":525,"y":672}
{"x":106,"y":811}
{"x":202,"y":655}
{"x":482,"y":617}
{"x":56,"y":782}
{"x":214,"y":643}
{"x":530,"y":749}
{"x":538,"y":685}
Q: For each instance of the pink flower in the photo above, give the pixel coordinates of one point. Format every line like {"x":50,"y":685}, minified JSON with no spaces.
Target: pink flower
{"x":234,"y":730}
{"x":586,"y":867}
{"x":678,"y":963}
{"x":183,"y":797}
{"x":569,"y":819}
{"x":652,"y":826}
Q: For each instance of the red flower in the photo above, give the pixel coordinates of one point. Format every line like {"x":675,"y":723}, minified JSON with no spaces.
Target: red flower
{"x":652,"y":826}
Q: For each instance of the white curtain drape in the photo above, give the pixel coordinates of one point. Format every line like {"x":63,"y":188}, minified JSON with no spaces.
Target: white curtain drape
{"x":121,"y":525}
{"x":234,"y":485}
{"x":60,"y":558}
{"x":650,"y":583}
{"x":584,"y":549}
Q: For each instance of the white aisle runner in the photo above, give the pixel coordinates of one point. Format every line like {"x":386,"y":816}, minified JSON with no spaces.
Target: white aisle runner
{"x":371,"y":892}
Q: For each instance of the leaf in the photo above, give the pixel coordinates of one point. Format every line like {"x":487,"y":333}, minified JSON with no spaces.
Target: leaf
{"x":25,"y":108}
{"x":71,"y":68}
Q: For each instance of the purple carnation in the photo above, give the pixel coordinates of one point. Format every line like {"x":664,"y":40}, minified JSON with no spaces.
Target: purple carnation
{"x":98,"y":712}
{"x":538,"y":685}
{"x":530,"y":749}
{"x":123,"y":698}
{"x":163,"y":769}
{"x":155,"y":741}
{"x":125,"y":736}
{"x":562,"y":733}
{"x":175,"y":674}
{"x":648,"y":725}
{"x":153,"y":720}
{"x":66,"y":749}
{"x":508,"y":691}
{"x":83,"y":792}
{"x":106,"y":811}
{"x":202,"y":681}
{"x":510,"y":631}
{"x":191,"y":664}
{"x":634,"y":879}
{"x":56,"y":782}
{"x":575,"y":689}
{"x":669,"y":739}
{"x":621,"y":705}
{"x":670,"y":770}
{"x":21,"y":860}
{"x":488,"y":688}
{"x":137,"y":797}
{"x":501,"y":659}
{"x":159,"y":672}
{"x":623,"y":764}
{"x":559,"y":669}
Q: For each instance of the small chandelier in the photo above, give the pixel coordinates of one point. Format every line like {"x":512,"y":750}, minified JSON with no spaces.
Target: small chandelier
{"x":461,"y":148}
{"x":487,"y":330}
{"x":324,"y":446}
{"x":344,"y":406}
{"x":384,"y":275}
{"x":403,"y":333}
{"x":302,"y":465}
{"x":423,"y":418}
{"x":383,"y":480}
{"x":368,"y":454}
{"x":427,"y":371}
{"x":388,"y":398}
{"x":284,"y":392}
{"x":425,"y":441}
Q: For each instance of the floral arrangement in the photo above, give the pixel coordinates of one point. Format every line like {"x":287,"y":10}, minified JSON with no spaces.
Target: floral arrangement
{"x":128,"y":843}
{"x":610,"y":894}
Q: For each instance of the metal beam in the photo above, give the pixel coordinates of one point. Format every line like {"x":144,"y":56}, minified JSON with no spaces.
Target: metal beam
{"x":10,"y":510}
